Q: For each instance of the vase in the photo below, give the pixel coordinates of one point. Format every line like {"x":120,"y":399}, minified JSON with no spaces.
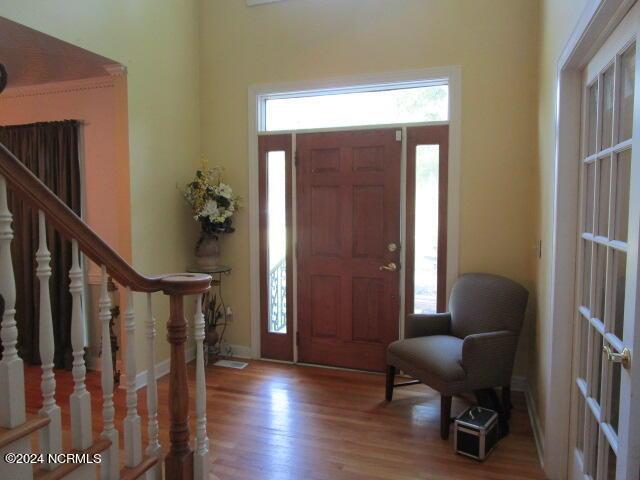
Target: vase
{"x":207,"y":251}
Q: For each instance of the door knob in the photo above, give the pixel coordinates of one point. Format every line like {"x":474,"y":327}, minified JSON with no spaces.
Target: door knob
{"x":623,"y":358}
{"x":390,"y":267}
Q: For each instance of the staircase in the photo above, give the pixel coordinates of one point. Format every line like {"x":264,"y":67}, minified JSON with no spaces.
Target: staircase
{"x":127,"y":461}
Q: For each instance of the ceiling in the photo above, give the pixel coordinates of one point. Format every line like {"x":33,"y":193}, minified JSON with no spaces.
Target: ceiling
{"x":33,"y":58}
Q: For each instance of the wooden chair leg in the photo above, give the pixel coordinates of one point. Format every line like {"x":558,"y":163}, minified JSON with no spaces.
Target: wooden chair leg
{"x":445,"y":416}
{"x":391,"y":374}
{"x":506,"y":401}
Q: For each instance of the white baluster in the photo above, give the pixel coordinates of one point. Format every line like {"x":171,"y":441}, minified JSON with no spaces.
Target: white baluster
{"x":132,"y":434}
{"x":80,"y":399}
{"x":12,"y":407}
{"x":109,"y":467}
{"x":51,"y":435}
{"x":153,"y":448}
{"x":201,"y":455}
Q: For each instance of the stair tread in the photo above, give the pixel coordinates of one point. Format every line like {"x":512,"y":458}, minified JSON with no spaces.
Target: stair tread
{"x":10,"y":435}
{"x":98,"y":446}
{"x":131,"y":473}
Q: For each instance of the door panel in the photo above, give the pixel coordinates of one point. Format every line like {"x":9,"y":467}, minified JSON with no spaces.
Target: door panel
{"x":368,"y":224}
{"x":325,"y":221}
{"x":367,"y":314}
{"x":348,"y":203}
{"x":325,"y":296}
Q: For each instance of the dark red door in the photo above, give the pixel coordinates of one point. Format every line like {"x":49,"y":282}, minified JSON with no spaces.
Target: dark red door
{"x":348,"y":230}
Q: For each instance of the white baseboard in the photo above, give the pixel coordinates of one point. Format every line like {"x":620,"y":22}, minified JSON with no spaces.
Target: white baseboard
{"x":162,"y":368}
{"x":93,"y":363}
{"x":534,"y":419}
{"x":241,"y":351}
{"x":519,"y":383}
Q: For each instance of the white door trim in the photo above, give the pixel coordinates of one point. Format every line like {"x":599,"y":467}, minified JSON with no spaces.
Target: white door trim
{"x":452,"y":74}
{"x":596,"y":22}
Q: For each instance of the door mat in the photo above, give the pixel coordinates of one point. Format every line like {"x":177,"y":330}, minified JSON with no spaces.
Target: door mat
{"x":231,"y":364}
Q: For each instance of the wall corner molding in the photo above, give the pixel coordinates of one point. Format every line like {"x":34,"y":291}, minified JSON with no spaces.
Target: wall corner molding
{"x":58,"y":87}
{"x":116,"y":69}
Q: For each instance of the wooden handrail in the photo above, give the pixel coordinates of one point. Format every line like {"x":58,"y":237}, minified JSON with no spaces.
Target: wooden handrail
{"x":28,"y":187}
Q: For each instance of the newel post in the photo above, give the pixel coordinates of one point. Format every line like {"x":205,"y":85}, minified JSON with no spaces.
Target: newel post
{"x":179,"y":460}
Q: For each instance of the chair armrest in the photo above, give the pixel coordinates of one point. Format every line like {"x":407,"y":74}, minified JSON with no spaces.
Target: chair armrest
{"x":424,"y":325}
{"x":488,"y":358}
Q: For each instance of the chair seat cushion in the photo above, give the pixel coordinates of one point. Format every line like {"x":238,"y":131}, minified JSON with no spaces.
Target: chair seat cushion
{"x":435,"y":360}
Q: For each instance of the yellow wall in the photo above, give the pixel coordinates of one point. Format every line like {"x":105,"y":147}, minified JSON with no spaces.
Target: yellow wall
{"x":495,"y":42}
{"x":180,"y":53}
{"x":158,"y":42}
{"x":557,"y":20}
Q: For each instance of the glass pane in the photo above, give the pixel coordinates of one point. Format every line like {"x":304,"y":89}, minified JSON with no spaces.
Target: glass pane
{"x":580,"y":426}
{"x":607,"y":469}
{"x":593,"y":112}
{"x":593,"y":454}
{"x":604,"y":186}
{"x":597,"y":369}
{"x":615,"y":396}
{"x":589,"y":193}
{"x":627,"y":83}
{"x":584,"y":344}
{"x":611,"y":464}
{"x":619,"y":275}
{"x":623,"y":182}
{"x":607,"y":109}
{"x":586,"y":273}
{"x":277,"y":228}
{"x":402,"y":105}
{"x":426,"y":229}
{"x":597,"y":302}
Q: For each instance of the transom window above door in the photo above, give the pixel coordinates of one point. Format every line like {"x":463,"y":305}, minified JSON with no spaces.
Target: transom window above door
{"x":415,"y":102}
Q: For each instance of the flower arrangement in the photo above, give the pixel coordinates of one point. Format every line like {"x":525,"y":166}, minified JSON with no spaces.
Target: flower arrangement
{"x":212,"y":201}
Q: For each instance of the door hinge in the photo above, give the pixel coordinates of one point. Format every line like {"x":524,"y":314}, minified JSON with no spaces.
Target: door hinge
{"x":296,"y":158}
{"x":298,"y":337}
{"x":398,"y":135}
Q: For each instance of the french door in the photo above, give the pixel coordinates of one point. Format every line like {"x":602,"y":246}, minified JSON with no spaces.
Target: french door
{"x":348,"y":235}
{"x":605,"y":403}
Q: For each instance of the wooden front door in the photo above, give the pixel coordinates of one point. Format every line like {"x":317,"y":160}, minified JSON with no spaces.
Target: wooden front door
{"x":348,"y":231}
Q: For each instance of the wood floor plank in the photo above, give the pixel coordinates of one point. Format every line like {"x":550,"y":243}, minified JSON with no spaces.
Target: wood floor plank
{"x":277,"y":421}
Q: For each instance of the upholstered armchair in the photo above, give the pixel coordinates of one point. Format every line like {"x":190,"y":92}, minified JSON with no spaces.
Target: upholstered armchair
{"x":467,"y":349}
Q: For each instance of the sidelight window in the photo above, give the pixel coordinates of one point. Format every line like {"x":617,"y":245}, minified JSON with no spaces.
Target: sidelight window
{"x":277,"y":246}
{"x":425,"y":280}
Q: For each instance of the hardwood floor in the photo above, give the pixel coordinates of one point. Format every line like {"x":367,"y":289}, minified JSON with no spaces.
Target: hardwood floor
{"x":276,"y":421}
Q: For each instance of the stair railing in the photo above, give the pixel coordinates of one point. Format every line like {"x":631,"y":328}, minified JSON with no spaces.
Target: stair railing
{"x":179,"y":460}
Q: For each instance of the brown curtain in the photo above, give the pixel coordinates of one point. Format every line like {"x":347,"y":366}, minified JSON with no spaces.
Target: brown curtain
{"x":50,"y":151}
